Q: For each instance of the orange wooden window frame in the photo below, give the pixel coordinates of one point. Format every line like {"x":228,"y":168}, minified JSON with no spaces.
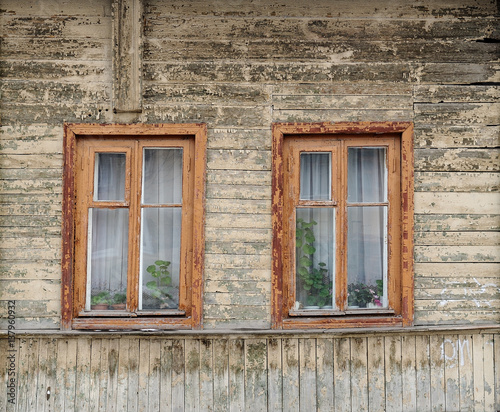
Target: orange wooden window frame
{"x":78,"y":179}
{"x":288,"y":137}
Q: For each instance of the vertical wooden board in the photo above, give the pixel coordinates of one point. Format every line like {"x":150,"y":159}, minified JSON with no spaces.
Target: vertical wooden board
{"x":236,"y":375}
{"x":409,"y":373}
{"x":70,"y":374}
{"x":4,"y":372}
{"x":192,"y":389}
{"x":50,"y":381}
{"x":59,"y":390}
{"x":41,"y":372}
{"x":166,"y":375}
{"x":325,"y":379}
{"x":206,"y":375}
{"x":95,"y":374}
{"x":307,"y":375}
{"x":423,"y":373}
{"x":82,"y":374}
{"x":393,"y":372}
{"x":489,"y":373}
{"x":376,"y":373}
{"x":274,"y":375}
{"x":143,"y":378}
{"x":466,"y":372}
{"x":256,"y":375}
{"x":451,"y":371}
{"x":113,"y":371}
{"x":122,"y":375}
{"x":103,"y":375}
{"x":178,"y":375}
{"x":154,"y":375}
{"x":133,"y":375}
{"x":290,"y":374}
{"x":496,"y":342}
{"x":359,"y":376}
{"x":31,"y":394}
{"x":478,"y":370}
{"x":342,"y":374}
{"x":437,"y":373}
{"x":22,"y":376}
{"x":221,"y":375}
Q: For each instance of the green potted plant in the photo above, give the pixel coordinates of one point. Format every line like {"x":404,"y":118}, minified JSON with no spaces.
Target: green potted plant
{"x":119,"y":301}
{"x":100,"y":301}
{"x":314,"y":280}
{"x":361,"y":295}
{"x":160,"y":288}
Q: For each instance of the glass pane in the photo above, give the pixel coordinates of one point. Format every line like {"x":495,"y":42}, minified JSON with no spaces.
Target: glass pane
{"x":315,"y":176}
{"x":162,"y":176}
{"x":315,"y":258}
{"x":367,"y":256}
{"x":107,"y":266}
{"x":366,"y":175}
{"x":109,"y":181}
{"x":160,"y":258}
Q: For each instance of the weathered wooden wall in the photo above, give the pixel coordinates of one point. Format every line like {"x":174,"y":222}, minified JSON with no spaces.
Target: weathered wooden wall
{"x":239,"y":66}
{"x":395,"y":372}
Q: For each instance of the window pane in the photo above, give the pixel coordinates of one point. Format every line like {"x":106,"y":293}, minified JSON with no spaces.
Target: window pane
{"x":367,"y":256}
{"x":160,"y":258}
{"x":109,"y":181}
{"x":107,"y":266}
{"x":315,"y":258}
{"x":366,"y":175}
{"x":162,"y":176}
{"x":315,"y":176}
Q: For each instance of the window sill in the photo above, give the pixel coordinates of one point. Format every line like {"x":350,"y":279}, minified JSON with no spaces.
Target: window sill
{"x":336,"y":313}
{"x":127,"y":323}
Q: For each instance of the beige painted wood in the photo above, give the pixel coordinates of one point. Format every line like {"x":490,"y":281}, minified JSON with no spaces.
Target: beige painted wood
{"x":393,"y":372}
{"x":376,"y":356}
{"x":236,"y":375}
{"x":408,"y":372}
{"x":291,"y":372}
{"x":275,"y":373}
{"x":255,"y":375}
{"x":307,"y":376}
{"x":192,"y":375}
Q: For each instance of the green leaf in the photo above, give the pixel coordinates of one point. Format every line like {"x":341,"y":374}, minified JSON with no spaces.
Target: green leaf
{"x":152,"y":285}
{"x":151,"y":268}
{"x":305,"y":261}
{"x":303,"y":271}
{"x":308,"y":249}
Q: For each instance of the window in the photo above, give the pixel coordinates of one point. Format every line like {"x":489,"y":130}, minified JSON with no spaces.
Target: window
{"x":133,"y":226}
{"x":342,"y":225}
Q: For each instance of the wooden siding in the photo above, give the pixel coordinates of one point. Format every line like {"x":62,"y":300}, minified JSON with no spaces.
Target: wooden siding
{"x":394,"y":372}
{"x":238,"y":67}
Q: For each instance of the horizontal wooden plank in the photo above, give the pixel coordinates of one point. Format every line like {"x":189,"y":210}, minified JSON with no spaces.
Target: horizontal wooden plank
{"x":238,"y":234}
{"x":256,"y":116}
{"x":470,"y":270}
{"x":456,"y":222}
{"x":451,"y":73}
{"x":236,"y":287}
{"x":220,"y":138}
{"x":239,"y":159}
{"x":233,"y":220}
{"x":457,"y":238}
{"x":14,"y":25}
{"x":57,"y":7}
{"x":459,"y":160}
{"x":31,"y":231}
{"x":457,"y":203}
{"x":30,"y":48}
{"x":460,"y":283}
{"x":17,"y":289}
{"x":23,"y":91}
{"x":56,"y":113}
{"x":236,"y":177}
{"x":65,"y":71}
{"x":27,"y":308}
{"x":457,"y":182}
{"x":455,"y":93}
{"x":34,"y":323}
{"x":452,"y":305}
{"x":231,"y":247}
{"x":343,"y":103}
{"x":452,"y":136}
{"x":25,"y":174}
{"x":336,"y":29}
{"x":224,"y":94}
{"x":17,"y":146}
{"x":455,"y":317}
{"x":484,"y":293}
{"x":340,"y":115}
{"x":30,"y":221}
{"x":341,"y":89}
{"x":31,"y":186}
{"x":223,"y":261}
{"x":31,"y":269}
{"x":25,"y":253}
{"x":231,"y":71}
{"x":240,"y":314}
{"x":457,"y":253}
{"x":242,"y":299}
{"x":237,"y":204}
{"x":236,"y":274}
{"x":239,"y":192}
{"x":323,"y":8}
{"x":457,"y":113}
{"x":36,"y":161}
